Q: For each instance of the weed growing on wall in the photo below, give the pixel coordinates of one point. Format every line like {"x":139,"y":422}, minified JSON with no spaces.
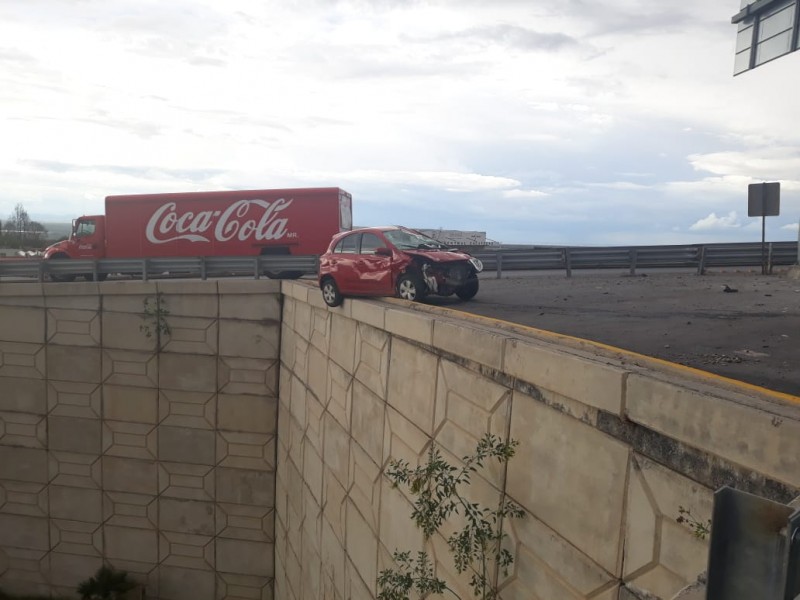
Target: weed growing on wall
{"x":439,"y":490}
{"x":155,"y":318}
{"x":700,"y":529}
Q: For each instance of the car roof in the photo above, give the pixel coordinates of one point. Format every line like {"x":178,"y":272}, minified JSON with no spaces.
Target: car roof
{"x":381,"y":228}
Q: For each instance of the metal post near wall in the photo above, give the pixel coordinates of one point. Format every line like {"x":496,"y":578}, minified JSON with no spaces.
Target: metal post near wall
{"x":754,"y":550}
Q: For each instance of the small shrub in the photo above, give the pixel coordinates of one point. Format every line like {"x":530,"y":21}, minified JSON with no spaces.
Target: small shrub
{"x":477,"y":546}
{"x":107,"y":584}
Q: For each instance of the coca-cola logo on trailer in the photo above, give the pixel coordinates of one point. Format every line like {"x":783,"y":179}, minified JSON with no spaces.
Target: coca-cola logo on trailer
{"x":242,"y":221}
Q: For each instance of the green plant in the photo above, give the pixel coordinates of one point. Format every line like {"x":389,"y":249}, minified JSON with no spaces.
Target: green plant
{"x":107,"y":584}
{"x":155,"y":317}
{"x":699,"y":529}
{"x":437,"y":486}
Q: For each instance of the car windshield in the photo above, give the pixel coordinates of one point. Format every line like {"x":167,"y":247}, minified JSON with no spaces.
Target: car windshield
{"x":405,"y":239}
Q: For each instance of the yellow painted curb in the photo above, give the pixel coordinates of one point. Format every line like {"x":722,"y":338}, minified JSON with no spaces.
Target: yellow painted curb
{"x":560,"y":337}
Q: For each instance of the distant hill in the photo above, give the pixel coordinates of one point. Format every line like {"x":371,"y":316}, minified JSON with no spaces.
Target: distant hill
{"x":57,"y":230}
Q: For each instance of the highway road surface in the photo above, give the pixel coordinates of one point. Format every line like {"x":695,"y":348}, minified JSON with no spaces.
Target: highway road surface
{"x":751,"y":334}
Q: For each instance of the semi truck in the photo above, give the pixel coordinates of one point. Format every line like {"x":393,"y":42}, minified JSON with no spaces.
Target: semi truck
{"x":228,"y":223}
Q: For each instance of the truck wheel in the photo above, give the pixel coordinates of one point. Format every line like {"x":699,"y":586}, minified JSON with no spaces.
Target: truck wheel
{"x":410,"y":287}
{"x":61,"y":278}
{"x":468,"y":290}
{"x":330,"y":292}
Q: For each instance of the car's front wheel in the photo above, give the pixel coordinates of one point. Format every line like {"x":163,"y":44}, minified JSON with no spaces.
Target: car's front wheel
{"x":410,"y":287}
{"x":468,"y":290}
{"x":330,"y":292}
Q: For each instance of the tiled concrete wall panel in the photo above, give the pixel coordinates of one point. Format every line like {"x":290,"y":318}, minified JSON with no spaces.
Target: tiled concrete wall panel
{"x":600,"y":468}
{"x":155,"y":453}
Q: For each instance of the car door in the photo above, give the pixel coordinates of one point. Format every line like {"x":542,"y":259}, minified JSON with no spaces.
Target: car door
{"x":342,"y":263}
{"x":374,"y":271}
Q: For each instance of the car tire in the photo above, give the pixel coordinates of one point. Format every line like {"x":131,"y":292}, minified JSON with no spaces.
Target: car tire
{"x":468,"y":290}
{"x":330,"y":292}
{"x":410,"y":287}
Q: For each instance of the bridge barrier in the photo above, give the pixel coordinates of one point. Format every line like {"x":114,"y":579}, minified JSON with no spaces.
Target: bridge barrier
{"x":611,"y":446}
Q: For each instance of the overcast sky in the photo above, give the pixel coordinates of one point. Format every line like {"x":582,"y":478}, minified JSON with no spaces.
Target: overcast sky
{"x":554,"y":122}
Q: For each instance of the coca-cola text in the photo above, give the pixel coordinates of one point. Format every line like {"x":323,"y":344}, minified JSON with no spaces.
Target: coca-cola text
{"x":240,"y":220}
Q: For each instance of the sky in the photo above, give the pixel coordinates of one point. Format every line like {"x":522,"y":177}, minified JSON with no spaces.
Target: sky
{"x":579,"y":122}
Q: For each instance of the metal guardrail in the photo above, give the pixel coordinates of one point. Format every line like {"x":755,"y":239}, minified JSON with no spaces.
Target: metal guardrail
{"x":699,"y":257}
{"x":147,"y":268}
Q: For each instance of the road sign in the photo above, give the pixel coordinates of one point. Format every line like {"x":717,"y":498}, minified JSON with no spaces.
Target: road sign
{"x":764,"y":199}
{"x":767,"y":29}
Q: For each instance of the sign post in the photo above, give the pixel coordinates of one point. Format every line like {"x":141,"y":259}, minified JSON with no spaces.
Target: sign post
{"x":764,"y":200}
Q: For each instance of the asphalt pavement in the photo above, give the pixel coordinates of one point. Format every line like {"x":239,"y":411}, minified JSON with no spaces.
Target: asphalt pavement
{"x":735,"y":323}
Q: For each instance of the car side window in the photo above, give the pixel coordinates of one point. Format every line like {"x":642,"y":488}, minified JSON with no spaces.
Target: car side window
{"x":347,"y":245}
{"x":371,"y":242}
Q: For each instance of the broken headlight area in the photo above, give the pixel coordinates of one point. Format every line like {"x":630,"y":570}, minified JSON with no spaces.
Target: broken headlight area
{"x":444,"y":278}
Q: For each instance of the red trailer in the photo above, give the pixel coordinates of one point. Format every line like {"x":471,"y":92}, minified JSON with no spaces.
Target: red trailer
{"x":235,"y":223}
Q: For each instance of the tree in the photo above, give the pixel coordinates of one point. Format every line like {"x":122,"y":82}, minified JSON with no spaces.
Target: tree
{"x":18,"y":222}
{"x":22,"y":230}
{"x":477,"y":546}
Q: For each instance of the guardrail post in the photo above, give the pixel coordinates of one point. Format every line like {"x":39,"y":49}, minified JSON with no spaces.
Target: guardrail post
{"x":769,"y":259}
{"x":255,"y":268}
{"x":94,"y":270}
{"x":568,"y":261}
{"x":203,"y":268}
{"x":41,"y":271}
{"x":144,"y":269}
{"x":499,"y":264}
{"x":632,"y":253}
{"x":701,"y":264}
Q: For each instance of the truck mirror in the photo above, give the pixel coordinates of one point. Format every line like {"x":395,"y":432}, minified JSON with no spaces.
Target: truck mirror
{"x":383,"y":251}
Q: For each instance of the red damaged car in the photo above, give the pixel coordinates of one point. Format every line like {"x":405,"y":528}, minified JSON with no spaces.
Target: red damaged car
{"x":394,"y":261}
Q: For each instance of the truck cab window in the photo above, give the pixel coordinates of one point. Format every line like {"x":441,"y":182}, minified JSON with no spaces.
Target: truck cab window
{"x":84,"y":229}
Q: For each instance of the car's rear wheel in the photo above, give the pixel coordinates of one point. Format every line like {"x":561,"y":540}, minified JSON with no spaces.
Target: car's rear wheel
{"x":330,"y":292}
{"x":468,"y":290}
{"x":410,"y":287}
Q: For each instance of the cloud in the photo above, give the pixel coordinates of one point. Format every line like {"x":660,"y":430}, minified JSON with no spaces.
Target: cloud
{"x":145,"y":171}
{"x":622,"y":185}
{"x":791,"y":227}
{"x":712,"y":222}
{"x":514,"y":36}
{"x":759,"y":162}
{"x":444,"y":180}
{"x":524,"y":194}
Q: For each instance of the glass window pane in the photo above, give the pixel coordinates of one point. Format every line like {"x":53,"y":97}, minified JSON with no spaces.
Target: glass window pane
{"x":774,"y":47}
{"x":369,"y":242}
{"x":348,"y":245}
{"x":776,"y":7}
{"x":744,"y":39}
{"x":775,"y":24}
{"x":742,"y":62}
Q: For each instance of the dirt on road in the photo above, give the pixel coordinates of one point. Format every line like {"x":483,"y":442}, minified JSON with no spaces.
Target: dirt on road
{"x":739,"y":324}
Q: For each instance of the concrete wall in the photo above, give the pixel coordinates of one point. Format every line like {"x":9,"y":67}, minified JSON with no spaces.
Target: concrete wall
{"x":157,"y":456}
{"x":611,"y":445}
